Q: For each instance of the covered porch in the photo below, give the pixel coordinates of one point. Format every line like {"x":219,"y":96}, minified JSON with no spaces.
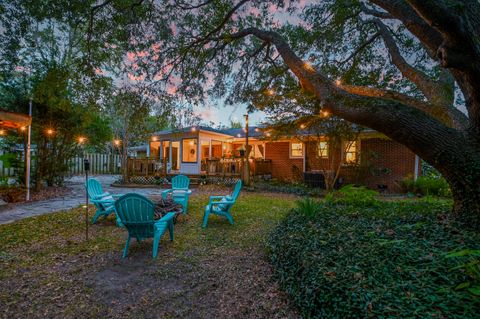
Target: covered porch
{"x":199,"y":151}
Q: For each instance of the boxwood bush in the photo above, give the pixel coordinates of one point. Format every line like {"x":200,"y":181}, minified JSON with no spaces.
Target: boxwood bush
{"x":391,"y":260}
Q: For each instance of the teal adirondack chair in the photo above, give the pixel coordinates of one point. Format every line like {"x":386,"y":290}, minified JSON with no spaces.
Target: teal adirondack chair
{"x":179,"y":191}
{"x":103,"y":201}
{"x":136,"y":213}
{"x":221,"y":205}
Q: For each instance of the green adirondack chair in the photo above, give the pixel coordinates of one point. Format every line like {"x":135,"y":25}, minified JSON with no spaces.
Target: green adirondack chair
{"x":221,"y":205}
{"x":136,"y":213}
{"x":103,"y":201}
{"x":179,"y":191}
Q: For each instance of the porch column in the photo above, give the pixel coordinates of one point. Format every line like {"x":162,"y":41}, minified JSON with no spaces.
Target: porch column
{"x":169,"y":155}
{"x":210,"y":149}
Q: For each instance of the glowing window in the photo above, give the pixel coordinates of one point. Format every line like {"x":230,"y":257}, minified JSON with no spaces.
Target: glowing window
{"x":296,"y":149}
{"x":351,"y":152}
{"x":323,"y":149}
{"x":189,"y":150}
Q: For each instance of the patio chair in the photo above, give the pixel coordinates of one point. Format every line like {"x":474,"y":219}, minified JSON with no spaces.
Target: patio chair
{"x":179,"y":191}
{"x":221,"y":205}
{"x":136,"y":213}
{"x":103,"y":201}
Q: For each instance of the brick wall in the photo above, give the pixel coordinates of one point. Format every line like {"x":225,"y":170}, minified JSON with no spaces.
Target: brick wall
{"x":391,"y":162}
{"x":283,"y":167}
{"x":388,"y":163}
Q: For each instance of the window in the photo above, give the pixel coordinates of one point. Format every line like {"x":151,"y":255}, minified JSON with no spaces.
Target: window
{"x":296,"y":149}
{"x":189,"y":150}
{"x":323,"y":149}
{"x":351,"y":150}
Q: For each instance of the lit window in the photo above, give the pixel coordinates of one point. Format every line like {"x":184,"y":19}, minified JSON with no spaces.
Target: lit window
{"x":323,"y":149}
{"x":296,"y":149}
{"x":189,"y":150}
{"x":351,"y":152}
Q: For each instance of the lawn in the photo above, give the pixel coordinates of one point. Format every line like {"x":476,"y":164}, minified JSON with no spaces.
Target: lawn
{"x":48,"y":270}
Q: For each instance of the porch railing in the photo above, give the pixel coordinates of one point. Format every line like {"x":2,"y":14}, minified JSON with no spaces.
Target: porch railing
{"x":153,"y":167}
{"x":234,"y":167}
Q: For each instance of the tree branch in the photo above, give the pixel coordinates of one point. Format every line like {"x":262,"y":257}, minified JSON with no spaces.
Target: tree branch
{"x":360,"y":48}
{"x":400,"y":121}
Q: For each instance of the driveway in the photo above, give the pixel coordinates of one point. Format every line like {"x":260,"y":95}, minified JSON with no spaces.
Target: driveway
{"x":72,"y":199}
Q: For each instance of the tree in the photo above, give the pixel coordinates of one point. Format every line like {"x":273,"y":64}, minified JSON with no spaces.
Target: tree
{"x":250,"y":56}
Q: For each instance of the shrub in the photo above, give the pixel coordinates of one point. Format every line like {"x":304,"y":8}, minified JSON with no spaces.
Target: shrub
{"x":353,"y":195}
{"x":426,"y":185}
{"x":296,"y":188}
{"x":308,"y":206}
{"x":386,"y":262}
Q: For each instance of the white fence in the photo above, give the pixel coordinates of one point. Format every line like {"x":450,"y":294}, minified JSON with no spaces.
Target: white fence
{"x":99,"y":164}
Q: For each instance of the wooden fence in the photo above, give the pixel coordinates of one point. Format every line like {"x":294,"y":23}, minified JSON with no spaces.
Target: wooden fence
{"x":99,"y":164}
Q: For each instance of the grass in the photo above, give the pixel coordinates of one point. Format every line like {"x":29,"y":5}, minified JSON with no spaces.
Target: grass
{"x":47,"y":269}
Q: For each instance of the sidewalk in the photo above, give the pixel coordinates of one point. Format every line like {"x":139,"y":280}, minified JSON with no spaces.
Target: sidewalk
{"x":75,"y":198}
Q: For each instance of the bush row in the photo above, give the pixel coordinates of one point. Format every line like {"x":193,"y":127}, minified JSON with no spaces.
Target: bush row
{"x":386,"y":260}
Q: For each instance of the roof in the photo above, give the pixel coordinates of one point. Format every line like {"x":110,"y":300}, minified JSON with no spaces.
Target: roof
{"x":253,"y":131}
{"x":14,"y":120}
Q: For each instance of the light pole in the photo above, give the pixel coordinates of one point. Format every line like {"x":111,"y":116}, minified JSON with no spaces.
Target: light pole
{"x":246,"y":171}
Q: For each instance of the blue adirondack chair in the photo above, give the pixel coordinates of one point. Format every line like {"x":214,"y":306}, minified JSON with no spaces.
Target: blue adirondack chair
{"x":179,"y":191}
{"x":136,"y":213}
{"x":103,"y":201}
{"x":221,"y":205}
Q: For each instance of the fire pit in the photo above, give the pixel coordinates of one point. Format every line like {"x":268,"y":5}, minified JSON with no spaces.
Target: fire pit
{"x":164,"y":206}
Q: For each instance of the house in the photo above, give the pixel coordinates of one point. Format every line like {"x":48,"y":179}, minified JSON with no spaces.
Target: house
{"x":202,"y":150}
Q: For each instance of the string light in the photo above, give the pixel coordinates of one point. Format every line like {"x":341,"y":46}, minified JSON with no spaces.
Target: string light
{"x":2,"y":132}
{"x":308,"y":66}
{"x":325,"y":113}
{"x":81,"y":140}
{"x":271,"y":92}
{"x":193,"y":129}
{"x":49,"y":131}
{"x":154,"y":138}
{"x":302,"y":126}
{"x":338,"y":82}
{"x":23,"y":128}
{"x":116,"y":142}
{"x":268,"y":134}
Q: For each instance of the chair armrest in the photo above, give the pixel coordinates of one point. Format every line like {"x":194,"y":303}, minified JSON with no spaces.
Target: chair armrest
{"x":228,"y":202}
{"x":213,"y":198}
{"x":101,"y":195}
{"x":168,"y":217}
{"x":103,"y":201}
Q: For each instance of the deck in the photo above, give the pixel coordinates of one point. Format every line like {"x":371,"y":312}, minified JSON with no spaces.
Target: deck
{"x":153,"y":169}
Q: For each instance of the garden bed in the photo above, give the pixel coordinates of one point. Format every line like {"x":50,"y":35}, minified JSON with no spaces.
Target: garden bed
{"x":378,"y":260}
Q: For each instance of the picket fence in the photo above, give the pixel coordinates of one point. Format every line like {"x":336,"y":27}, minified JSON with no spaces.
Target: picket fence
{"x":99,"y":164}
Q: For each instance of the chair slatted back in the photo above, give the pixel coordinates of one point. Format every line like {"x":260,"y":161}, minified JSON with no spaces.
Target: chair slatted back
{"x":180,"y":182}
{"x":136,"y":213}
{"x":94,"y":188}
{"x":233,"y":197}
{"x":236,"y":190}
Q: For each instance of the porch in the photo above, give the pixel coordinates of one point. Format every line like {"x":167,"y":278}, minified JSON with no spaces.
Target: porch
{"x":151,"y":170}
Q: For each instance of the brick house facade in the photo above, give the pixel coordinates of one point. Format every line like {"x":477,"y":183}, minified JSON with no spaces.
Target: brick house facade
{"x":381,"y":165}
{"x":373,"y":160}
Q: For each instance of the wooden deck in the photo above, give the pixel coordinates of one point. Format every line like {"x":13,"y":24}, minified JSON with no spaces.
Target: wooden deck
{"x":152,"y":168}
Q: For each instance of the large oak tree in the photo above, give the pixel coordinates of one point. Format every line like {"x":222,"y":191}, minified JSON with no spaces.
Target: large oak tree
{"x":248,"y":46}
{"x":405,"y":66}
